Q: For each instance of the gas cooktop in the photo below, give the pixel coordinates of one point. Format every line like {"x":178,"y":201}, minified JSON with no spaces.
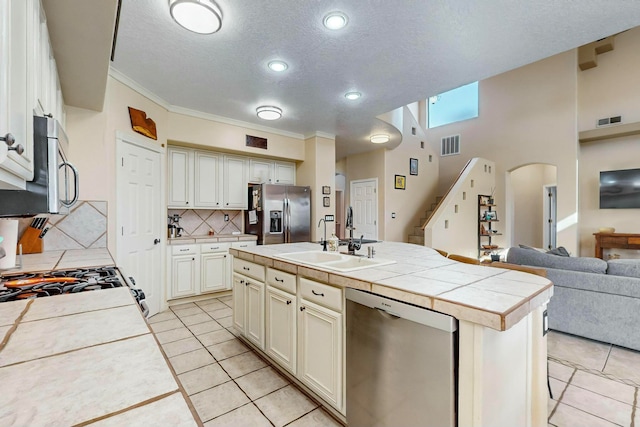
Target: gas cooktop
{"x":38,"y":285}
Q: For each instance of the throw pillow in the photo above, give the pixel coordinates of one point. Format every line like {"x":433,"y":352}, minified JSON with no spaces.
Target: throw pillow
{"x":560,"y":251}
{"x":532,"y":248}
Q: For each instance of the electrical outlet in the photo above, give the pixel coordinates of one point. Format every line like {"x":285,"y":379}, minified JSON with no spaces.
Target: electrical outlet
{"x":393,"y":214}
{"x":329,"y":218}
{"x":226,"y":217}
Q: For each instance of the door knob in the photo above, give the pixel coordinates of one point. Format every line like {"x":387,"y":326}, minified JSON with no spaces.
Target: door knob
{"x":156,"y":241}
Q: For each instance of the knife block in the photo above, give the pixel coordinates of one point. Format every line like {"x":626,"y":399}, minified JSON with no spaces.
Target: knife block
{"x":31,"y":241}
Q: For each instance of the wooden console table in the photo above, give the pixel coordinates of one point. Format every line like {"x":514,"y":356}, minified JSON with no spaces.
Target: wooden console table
{"x":616,"y":240}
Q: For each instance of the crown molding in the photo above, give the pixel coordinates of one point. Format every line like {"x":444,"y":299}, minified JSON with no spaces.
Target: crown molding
{"x":132,"y":84}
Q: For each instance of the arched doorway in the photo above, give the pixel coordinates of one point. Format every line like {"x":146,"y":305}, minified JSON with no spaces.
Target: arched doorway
{"x":533,"y":199}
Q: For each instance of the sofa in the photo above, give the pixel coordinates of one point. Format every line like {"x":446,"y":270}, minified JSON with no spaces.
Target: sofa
{"x":592,"y":298}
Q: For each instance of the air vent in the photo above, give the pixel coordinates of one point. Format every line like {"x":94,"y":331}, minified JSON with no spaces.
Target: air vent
{"x":450,"y":145}
{"x":609,"y":121}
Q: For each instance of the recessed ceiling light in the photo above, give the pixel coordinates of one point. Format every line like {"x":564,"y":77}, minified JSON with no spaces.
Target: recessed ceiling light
{"x":379,"y":139}
{"x":352,"y":95}
{"x":269,"y":112}
{"x":199,"y":16}
{"x":278,"y":66}
{"x":335,"y":20}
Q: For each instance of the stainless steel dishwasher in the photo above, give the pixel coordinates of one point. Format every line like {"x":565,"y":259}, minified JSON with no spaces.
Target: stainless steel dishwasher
{"x":401,"y":363}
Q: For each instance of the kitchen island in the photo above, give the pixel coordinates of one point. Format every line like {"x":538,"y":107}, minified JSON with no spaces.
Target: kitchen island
{"x":501,"y":342}
{"x":85,"y":359}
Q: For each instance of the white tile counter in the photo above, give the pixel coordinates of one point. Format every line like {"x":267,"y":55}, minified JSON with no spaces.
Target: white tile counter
{"x":85,"y":358}
{"x":488,"y":296}
{"x":60,"y":260}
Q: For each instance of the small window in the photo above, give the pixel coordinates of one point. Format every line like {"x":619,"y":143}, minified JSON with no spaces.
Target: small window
{"x":453,"y":106}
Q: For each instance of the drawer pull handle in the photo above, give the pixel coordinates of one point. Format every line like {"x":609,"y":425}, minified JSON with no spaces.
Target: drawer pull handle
{"x":216,"y":247}
{"x":246,"y":268}
{"x":184,"y":250}
{"x":302,"y":308}
{"x":288,"y":302}
{"x":243,"y":246}
{"x":317,"y":293}
{"x":279,"y":280}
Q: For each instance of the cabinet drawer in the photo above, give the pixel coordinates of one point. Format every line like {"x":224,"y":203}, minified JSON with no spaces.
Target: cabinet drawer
{"x":322,"y":294}
{"x":618,"y":242}
{"x":248,"y":269}
{"x":243,"y":244}
{"x":207,"y":248}
{"x":281,"y":280}
{"x":184,"y":249}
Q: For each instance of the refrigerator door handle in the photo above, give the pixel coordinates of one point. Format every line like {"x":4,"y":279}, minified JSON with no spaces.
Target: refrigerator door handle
{"x":288,"y":208}
{"x":285,"y":220}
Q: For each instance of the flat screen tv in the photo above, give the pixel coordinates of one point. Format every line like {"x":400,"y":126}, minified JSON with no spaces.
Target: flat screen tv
{"x":620,"y":189}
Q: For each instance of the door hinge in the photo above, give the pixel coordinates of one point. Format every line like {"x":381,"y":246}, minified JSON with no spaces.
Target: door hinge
{"x":122,"y":161}
{"x":375,"y":222}
{"x":122,"y":231}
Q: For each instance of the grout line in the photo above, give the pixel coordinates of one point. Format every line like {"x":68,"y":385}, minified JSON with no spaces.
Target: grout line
{"x":606,"y":360}
{"x":553,"y":411}
{"x":634,"y":407}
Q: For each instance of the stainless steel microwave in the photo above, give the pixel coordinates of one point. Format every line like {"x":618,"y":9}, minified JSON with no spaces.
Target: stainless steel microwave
{"x":55,"y":185}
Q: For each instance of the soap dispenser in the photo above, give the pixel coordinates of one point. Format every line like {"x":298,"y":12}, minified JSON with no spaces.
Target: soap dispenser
{"x":334,"y":243}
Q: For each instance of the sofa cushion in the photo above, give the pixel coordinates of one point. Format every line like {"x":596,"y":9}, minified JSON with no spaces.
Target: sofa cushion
{"x":624,"y":267}
{"x":537,"y":259}
{"x":559,"y":251}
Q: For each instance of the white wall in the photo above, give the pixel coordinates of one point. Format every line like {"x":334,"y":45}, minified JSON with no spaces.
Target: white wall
{"x":610,"y":89}
{"x":526,"y":116}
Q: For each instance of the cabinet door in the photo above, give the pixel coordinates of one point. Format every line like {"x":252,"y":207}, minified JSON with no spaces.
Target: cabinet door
{"x":180,"y":178}
{"x":285,"y":173}
{"x":207,"y":180}
{"x":213,"y":272}
{"x":16,"y":114}
{"x":260,"y":171}
{"x":239,"y":285}
{"x":183,"y":276}
{"x":254,"y":306}
{"x":281,"y":328}
{"x":235,"y":183}
{"x":320,"y":351}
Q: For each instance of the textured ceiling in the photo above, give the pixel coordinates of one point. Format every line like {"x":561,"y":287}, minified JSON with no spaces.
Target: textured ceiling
{"x":393,"y":52}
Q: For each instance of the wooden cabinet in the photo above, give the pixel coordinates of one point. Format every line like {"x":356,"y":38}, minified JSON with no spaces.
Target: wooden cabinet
{"x":184,"y":269}
{"x":213,"y":272}
{"x":272,"y":172}
{"x":180,"y":170}
{"x":281,"y":328}
{"x":285,"y":173}
{"x":234,"y":190}
{"x":207,"y":180}
{"x":320,"y":350}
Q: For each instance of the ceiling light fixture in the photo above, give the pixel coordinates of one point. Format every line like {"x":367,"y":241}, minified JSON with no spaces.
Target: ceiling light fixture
{"x":352,"y":95}
{"x":199,"y":16}
{"x":335,"y":20}
{"x":278,"y":66}
{"x":379,"y":139}
{"x":269,"y":112}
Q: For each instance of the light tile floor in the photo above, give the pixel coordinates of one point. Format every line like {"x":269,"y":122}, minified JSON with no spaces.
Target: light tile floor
{"x":228,"y":384}
{"x":593,"y":384}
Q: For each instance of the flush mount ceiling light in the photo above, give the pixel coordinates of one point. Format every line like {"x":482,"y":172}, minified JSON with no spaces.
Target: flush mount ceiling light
{"x":199,"y":16}
{"x":352,"y":95}
{"x":269,"y":112}
{"x":379,"y":139}
{"x":278,"y":66}
{"x":335,"y":20}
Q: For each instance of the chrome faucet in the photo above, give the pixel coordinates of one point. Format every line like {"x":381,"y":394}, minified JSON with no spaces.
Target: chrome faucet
{"x":323,"y":242}
{"x":352,"y":246}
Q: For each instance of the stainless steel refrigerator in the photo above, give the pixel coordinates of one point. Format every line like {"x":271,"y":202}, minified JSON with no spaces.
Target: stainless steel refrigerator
{"x":279,"y":213}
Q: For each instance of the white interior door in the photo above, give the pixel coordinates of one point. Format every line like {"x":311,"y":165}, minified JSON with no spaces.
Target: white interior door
{"x":364,"y":201}
{"x":139,"y":229}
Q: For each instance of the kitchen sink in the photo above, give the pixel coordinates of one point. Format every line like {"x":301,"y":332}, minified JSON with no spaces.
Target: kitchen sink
{"x":334,"y":261}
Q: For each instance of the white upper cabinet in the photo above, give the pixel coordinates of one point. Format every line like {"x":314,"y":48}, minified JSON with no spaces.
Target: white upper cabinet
{"x":207,"y":180}
{"x":234,"y":191}
{"x":180,"y":178}
{"x":285,"y":173}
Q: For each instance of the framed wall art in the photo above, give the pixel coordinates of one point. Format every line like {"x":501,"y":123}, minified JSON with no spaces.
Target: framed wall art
{"x":400,"y":182}
{"x":413,"y":166}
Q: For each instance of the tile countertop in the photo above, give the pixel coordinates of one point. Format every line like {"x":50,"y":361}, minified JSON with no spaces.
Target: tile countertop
{"x":57,"y":350}
{"x":489,"y":296}
{"x":211,"y":239}
{"x":60,"y":260}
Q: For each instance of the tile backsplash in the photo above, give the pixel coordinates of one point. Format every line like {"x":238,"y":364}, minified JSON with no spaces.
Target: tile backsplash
{"x":197,"y":222}
{"x":84,"y":227}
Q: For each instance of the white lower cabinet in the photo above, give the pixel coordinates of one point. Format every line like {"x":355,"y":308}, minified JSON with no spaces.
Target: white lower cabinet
{"x":196,"y":269}
{"x":213,"y":272}
{"x":239,"y":303}
{"x":281,"y":328}
{"x":320,"y":356}
{"x":254,"y":312}
{"x":183,"y":276}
